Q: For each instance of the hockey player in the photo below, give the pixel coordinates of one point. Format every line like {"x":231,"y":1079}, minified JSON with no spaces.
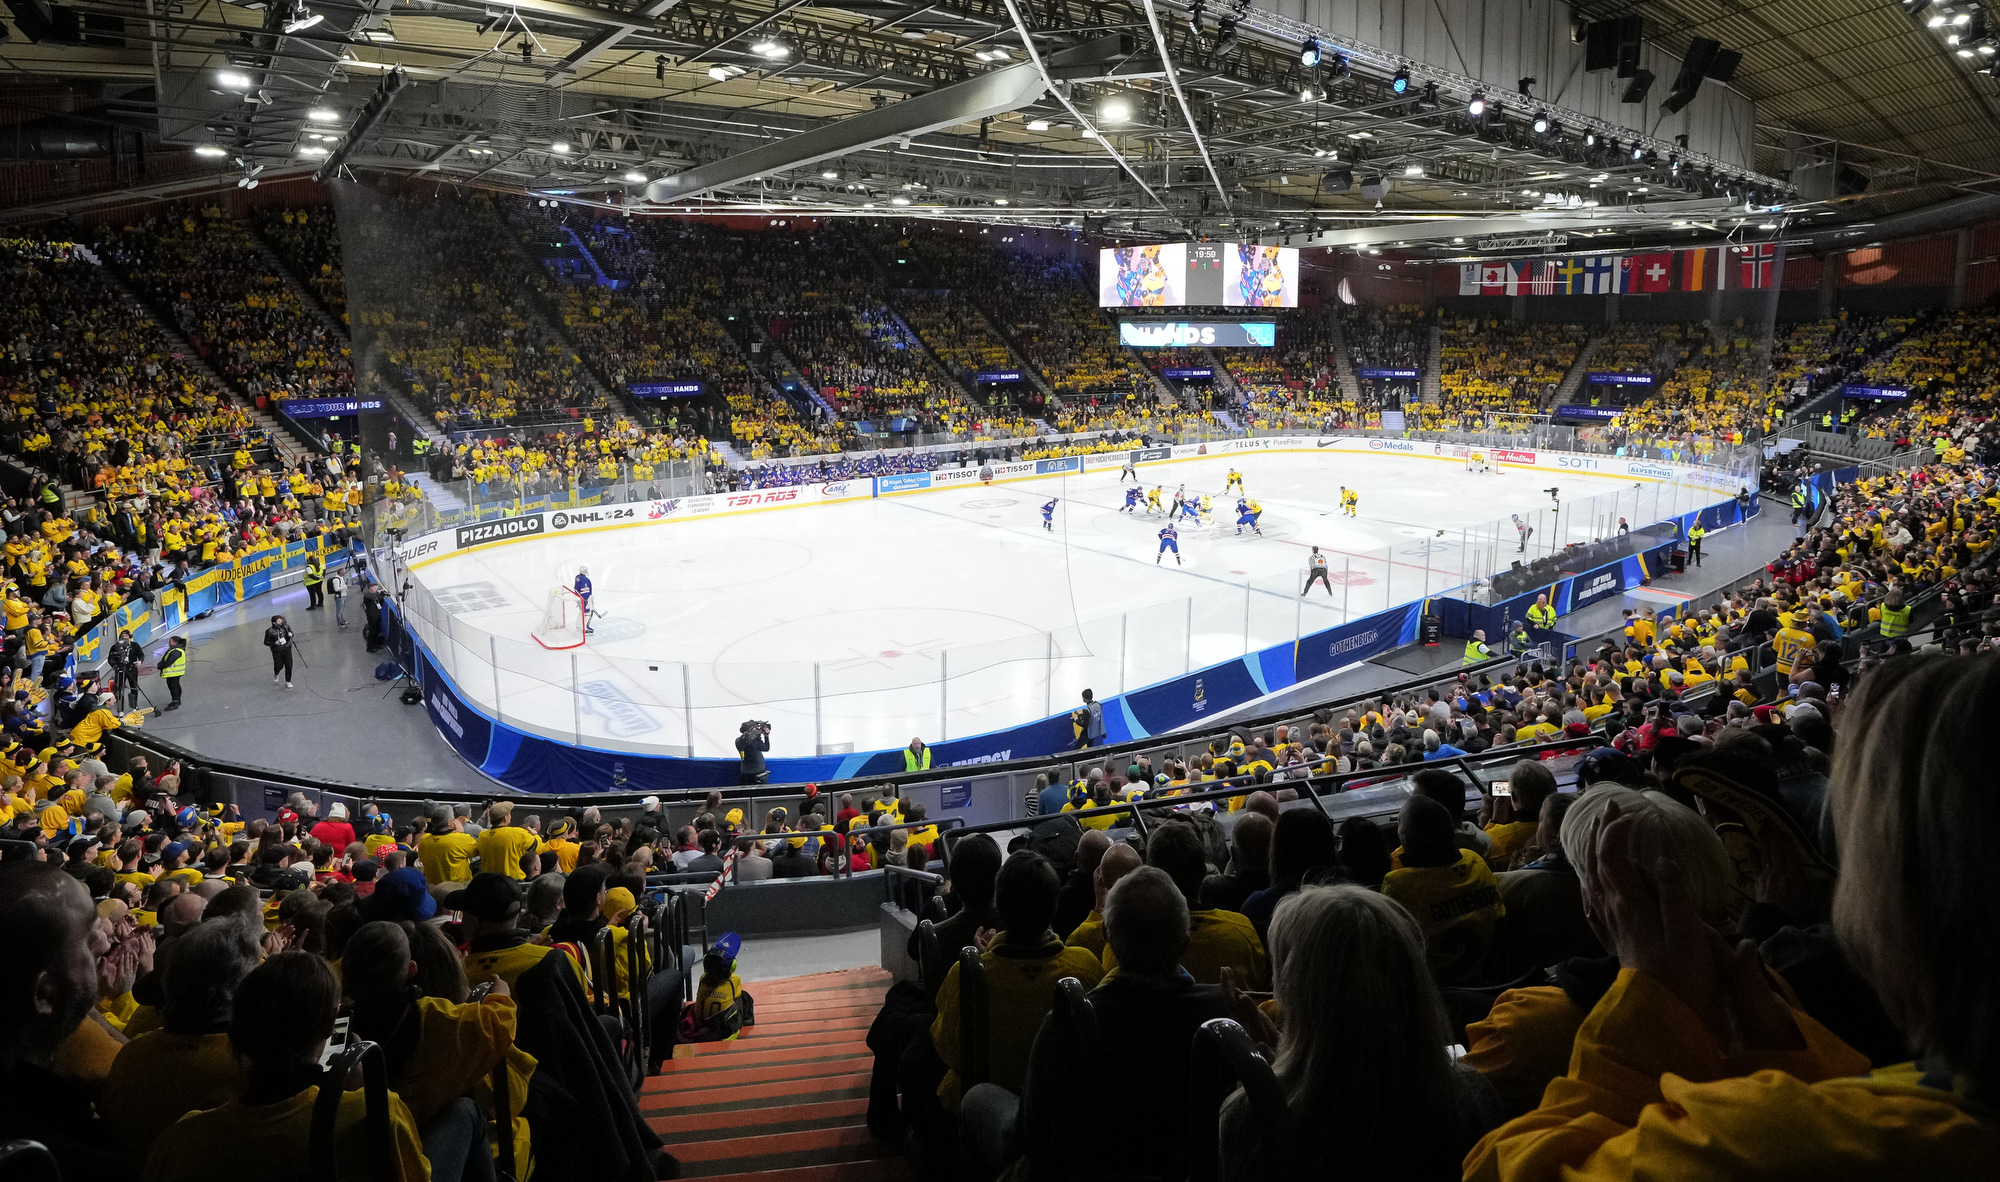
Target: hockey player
{"x":1153,"y":501}
{"x":1131,"y":500}
{"x":1247,"y":513}
{"x":1170,"y":539}
{"x":1207,"y":510}
{"x":1049,"y":515}
{"x":1316,"y":573}
{"x":1522,"y":530}
{"x":1234,"y":479}
{"x":1350,"y":502}
{"x":1190,"y":511}
{"x":582,"y":589}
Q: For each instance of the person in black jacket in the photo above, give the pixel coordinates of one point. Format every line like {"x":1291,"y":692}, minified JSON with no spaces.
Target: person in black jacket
{"x":278,"y":638}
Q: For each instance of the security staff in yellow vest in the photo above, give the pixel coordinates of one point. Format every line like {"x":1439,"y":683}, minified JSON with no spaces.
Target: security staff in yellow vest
{"x":1476,"y":650}
{"x":916,"y":757}
{"x":1542,"y":615}
{"x":173,"y":664}
{"x":1799,"y":504}
{"x":1895,"y":616}
{"x":315,"y":582}
{"x":1695,"y":534}
{"x":420,"y":446}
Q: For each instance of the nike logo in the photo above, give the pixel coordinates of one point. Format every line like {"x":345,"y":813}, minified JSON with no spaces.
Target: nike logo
{"x":1328,"y":442}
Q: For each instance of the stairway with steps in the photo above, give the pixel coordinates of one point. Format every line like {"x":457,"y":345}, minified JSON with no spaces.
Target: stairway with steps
{"x":1014,"y":353}
{"x":786,"y":1101}
{"x":283,"y":273}
{"x":546,"y":318}
{"x":1573,"y":380}
{"x":1223,"y":379}
{"x":440,"y":496}
{"x":1433,"y":380}
{"x":290,"y":450}
{"x":1343,"y":365}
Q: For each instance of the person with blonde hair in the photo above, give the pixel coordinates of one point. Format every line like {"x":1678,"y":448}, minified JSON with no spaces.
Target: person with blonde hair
{"x":1361,"y":1048}
{"x":1691,"y":1066}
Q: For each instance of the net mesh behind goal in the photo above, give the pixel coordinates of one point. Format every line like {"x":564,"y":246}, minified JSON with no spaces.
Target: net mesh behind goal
{"x":562,"y":620}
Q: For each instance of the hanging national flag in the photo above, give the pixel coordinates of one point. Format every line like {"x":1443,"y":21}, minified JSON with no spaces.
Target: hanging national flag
{"x":1695,"y":266}
{"x":1468,"y":279}
{"x":1758,"y":264}
{"x":1569,"y":277}
{"x":1544,"y":282}
{"x":1493,"y":279}
{"x":1600,"y":274}
{"x":1520,"y":276}
{"x":1647,"y":272}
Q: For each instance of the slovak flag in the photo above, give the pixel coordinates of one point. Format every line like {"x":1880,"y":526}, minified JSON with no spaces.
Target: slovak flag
{"x":1646,"y":272}
{"x":1600,"y":274}
{"x":1759,"y":264}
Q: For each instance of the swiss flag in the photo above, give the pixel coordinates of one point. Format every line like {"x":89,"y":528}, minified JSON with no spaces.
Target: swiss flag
{"x":1758,"y":264}
{"x":1493,"y":278}
{"x":1652,"y":272}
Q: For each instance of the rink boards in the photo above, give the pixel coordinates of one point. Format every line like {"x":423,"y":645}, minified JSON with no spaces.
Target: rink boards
{"x":502,"y":528}
{"x":592,"y":726}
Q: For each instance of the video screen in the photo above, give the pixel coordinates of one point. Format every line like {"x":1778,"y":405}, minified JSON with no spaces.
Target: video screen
{"x":1260,"y":276}
{"x":1143,"y":276}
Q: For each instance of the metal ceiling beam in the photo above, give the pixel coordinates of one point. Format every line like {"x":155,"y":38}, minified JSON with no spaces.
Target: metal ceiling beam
{"x":589,"y":51}
{"x":993,"y":93}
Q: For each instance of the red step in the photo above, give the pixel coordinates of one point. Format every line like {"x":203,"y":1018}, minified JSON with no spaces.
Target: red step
{"x":723,"y":1074}
{"x":758,"y":1038}
{"x":875,"y":1169}
{"x":817,"y":1086}
{"x":839,"y":1139}
{"x":784,"y":1115}
{"x":765,"y":1052}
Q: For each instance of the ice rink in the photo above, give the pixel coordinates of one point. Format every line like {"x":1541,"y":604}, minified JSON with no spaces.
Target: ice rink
{"x":949,"y":612}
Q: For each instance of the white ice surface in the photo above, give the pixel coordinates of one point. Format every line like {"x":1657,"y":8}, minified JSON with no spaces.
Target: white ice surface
{"x":884,"y":599}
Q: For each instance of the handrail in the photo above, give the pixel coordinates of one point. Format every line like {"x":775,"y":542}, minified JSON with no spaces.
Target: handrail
{"x":323,"y":1142}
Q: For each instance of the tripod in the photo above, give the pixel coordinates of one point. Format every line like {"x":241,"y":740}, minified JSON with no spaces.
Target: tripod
{"x":132,"y":672}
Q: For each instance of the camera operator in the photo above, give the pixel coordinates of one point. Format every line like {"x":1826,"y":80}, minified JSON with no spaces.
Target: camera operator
{"x":278,"y":638}
{"x":751,"y":744}
{"x":124,"y":657}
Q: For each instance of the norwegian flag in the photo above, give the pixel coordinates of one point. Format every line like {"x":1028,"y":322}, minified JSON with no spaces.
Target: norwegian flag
{"x":1758,"y":263}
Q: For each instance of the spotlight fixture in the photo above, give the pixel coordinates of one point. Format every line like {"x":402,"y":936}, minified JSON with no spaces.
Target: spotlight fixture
{"x":1340,"y":67}
{"x":1401,"y":82}
{"x":1308,"y":93}
{"x":1116,"y":109}
{"x":1590,"y":139}
{"x":720,"y":73}
{"x":1524,"y":86}
{"x":771,"y":49}
{"x":1430,"y":94}
{"x":234,"y":80}
{"x":1638,"y":151}
{"x":323,"y":115}
{"x":829,"y":175}
{"x":301,"y":19}
{"x":1038,"y":125}
{"x":1226,"y":36}
{"x":1477,"y":106}
{"x":635,"y":178}
{"x":560,"y":147}
{"x":1309,"y":52}
{"x":899,"y":200}
{"x":1541,"y":122}
{"x":1413,"y":169}
{"x":209,"y":150}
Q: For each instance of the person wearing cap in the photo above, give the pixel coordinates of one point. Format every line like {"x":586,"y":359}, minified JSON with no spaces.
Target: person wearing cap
{"x":495,"y":944}
{"x":561,"y":841}
{"x":502,"y":844}
{"x":401,"y":894}
{"x":335,"y":830}
{"x":446,"y":852}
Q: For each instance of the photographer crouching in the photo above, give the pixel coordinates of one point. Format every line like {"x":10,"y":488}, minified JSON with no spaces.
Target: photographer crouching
{"x":752,"y":742}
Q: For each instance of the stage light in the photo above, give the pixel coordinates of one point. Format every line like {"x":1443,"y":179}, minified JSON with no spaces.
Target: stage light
{"x":1477,"y":106}
{"x":1413,"y":170}
{"x":1430,"y":94}
{"x":635,"y":178}
{"x":1638,"y":150}
{"x":1309,"y":52}
{"x":899,"y":200}
{"x":209,"y":150}
{"x":1116,"y":109}
{"x":1401,"y":82}
{"x":323,"y":115}
{"x":771,"y":48}
{"x":560,"y":148}
{"x":1225,"y":36}
{"x":1541,"y":122}
{"x":1590,"y":139}
{"x":234,"y":80}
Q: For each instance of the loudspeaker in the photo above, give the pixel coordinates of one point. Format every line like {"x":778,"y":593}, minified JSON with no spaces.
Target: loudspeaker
{"x":1600,"y":46}
{"x":1374,"y":188}
{"x":41,"y":22}
{"x":1635,"y":91}
{"x":1339,"y":180}
{"x":1694,"y":67}
{"x":1631,"y":39}
{"x":1723,"y":68}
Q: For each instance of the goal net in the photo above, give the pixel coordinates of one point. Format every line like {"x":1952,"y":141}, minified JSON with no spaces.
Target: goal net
{"x":562,"y":620}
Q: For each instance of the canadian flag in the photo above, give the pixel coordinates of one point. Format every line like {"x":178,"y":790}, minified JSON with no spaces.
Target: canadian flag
{"x":1493,"y":278}
{"x":1648,"y":272}
{"x":1759,"y":264}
